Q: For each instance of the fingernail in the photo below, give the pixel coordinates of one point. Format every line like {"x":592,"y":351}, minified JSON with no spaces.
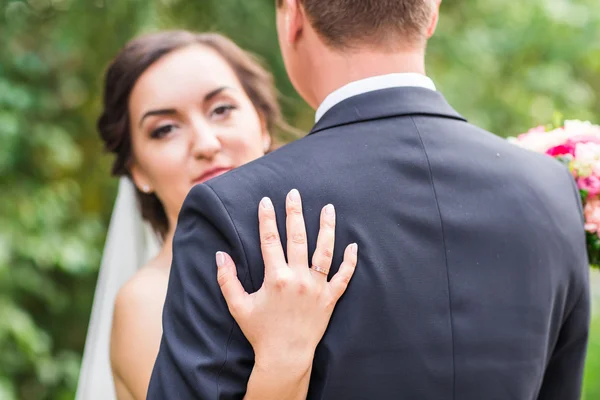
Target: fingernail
{"x":330,"y":211}
{"x":220,"y":259}
{"x":295,"y":196}
{"x":354,"y":248}
{"x":266,"y":203}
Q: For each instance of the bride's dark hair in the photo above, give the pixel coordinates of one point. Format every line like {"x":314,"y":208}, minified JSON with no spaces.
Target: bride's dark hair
{"x":134,"y":59}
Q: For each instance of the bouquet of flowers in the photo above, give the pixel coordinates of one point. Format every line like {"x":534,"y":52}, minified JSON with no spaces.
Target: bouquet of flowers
{"x":577,"y":145}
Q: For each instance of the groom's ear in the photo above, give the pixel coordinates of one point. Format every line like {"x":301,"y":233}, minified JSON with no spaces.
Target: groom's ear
{"x":294,"y":20}
{"x":434,"y":18}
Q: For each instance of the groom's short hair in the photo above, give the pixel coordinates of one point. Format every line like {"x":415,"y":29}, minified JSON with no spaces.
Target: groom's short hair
{"x":346,"y":24}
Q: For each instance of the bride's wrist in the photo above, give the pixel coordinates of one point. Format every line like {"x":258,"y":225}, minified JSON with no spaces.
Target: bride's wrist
{"x":279,"y":377}
{"x":285,"y":362}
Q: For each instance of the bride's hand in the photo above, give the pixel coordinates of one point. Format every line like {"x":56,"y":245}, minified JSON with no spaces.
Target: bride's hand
{"x":285,"y":320}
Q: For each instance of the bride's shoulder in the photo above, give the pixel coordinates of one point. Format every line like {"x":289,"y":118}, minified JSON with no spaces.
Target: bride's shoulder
{"x":137,"y":327}
{"x":139,"y":303}
{"x":144,"y":291}
{"x":137,"y":313}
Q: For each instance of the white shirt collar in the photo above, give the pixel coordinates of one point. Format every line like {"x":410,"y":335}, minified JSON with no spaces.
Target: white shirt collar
{"x":372,"y":84}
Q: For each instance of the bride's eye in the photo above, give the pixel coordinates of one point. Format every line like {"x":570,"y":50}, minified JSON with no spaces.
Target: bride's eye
{"x":222,"y":111}
{"x":162,"y":131}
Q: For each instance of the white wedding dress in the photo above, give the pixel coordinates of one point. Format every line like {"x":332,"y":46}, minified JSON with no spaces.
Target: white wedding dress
{"x":129,"y":245}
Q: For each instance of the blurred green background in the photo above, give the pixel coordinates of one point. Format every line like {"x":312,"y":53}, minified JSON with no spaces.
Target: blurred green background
{"x":505,"y":65}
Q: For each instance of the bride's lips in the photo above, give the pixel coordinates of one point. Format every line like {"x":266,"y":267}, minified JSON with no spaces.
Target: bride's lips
{"x":212,"y":173}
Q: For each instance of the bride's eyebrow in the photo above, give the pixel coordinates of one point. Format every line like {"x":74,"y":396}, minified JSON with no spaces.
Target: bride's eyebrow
{"x":210,"y":95}
{"x":170,"y":111}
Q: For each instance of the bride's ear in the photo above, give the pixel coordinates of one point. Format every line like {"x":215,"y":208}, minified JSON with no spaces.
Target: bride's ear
{"x":140,"y":180}
{"x":265,"y":134}
{"x":267,"y":143}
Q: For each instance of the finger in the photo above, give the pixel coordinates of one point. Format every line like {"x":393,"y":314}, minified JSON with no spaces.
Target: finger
{"x":230,"y":285}
{"x":339,"y":282}
{"x":270,"y":242}
{"x":321,"y":261}
{"x":297,"y":251}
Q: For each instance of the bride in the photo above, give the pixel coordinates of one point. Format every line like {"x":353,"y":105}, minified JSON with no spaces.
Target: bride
{"x":179,"y":109}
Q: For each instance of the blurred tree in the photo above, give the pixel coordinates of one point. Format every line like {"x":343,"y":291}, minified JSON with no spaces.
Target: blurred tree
{"x":592,"y":371}
{"x":56,"y":191}
{"x":505,"y":66}
{"x":511,"y":67}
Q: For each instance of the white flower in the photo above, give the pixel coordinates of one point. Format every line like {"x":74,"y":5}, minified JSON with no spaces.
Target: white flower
{"x":587,"y":158}
{"x":577,"y":128}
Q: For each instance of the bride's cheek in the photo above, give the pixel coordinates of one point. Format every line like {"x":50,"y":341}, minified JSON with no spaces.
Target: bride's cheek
{"x":173,"y":164}
{"x":248,"y":146}
{"x":243,"y":136}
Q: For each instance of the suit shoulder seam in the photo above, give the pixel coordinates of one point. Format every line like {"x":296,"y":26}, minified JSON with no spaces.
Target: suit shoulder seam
{"x":432,"y":180}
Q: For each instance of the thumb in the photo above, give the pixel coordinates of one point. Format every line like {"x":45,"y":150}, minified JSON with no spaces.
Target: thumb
{"x":230,"y":285}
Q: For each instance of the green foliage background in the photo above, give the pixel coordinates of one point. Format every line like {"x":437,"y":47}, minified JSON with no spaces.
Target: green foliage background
{"x":506,"y":66}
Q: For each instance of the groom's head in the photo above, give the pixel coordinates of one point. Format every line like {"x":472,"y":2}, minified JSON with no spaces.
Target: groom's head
{"x":310,"y":29}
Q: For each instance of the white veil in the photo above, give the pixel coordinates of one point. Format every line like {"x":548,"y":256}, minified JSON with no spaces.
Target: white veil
{"x":129,"y":245}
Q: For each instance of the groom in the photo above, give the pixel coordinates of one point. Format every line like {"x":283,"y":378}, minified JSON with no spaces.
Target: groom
{"x":472,"y":275}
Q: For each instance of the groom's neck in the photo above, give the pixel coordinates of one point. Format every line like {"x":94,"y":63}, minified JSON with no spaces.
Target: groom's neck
{"x":335,"y":69}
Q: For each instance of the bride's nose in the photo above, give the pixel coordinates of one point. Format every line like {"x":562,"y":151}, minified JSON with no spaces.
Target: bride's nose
{"x":205,"y":141}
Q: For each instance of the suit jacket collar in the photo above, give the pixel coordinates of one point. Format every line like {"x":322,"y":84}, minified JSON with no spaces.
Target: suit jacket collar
{"x":387,"y":103}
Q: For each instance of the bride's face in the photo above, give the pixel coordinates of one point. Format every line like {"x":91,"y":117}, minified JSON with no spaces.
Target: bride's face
{"x":190,"y":121}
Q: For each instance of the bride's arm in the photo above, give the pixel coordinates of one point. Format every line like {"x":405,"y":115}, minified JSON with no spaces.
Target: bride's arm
{"x":285,"y":320}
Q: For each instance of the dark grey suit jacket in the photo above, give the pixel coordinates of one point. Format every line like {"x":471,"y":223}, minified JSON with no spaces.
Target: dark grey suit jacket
{"x":472,"y":280}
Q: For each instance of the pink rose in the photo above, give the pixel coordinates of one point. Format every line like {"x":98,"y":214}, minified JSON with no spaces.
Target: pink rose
{"x":591,"y":184}
{"x":561,"y":150}
{"x":592,"y":215}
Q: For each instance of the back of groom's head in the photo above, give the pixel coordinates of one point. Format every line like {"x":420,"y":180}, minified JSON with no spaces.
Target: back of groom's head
{"x":327,"y":44}
{"x":347,"y":24}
